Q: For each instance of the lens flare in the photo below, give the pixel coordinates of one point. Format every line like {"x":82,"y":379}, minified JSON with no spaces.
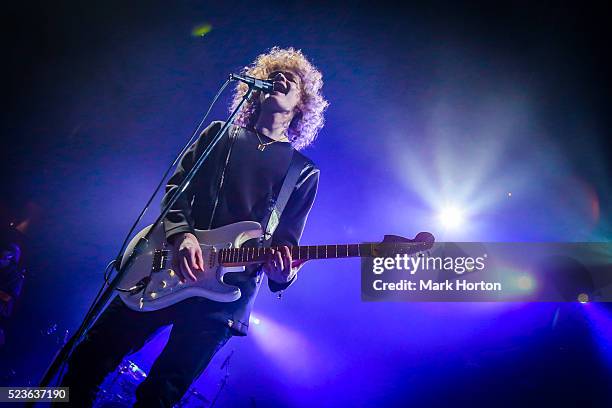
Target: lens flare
{"x":525,"y":282}
{"x":201,"y":30}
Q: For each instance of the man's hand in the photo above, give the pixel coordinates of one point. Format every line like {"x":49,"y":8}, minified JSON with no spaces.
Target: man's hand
{"x":186,"y":256}
{"x":281,"y":268}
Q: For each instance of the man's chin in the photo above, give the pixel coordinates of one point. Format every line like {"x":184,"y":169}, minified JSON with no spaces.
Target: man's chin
{"x":273,"y":104}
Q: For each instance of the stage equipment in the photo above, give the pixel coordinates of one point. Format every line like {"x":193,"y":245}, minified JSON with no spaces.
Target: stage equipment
{"x":150,"y":283}
{"x":262,"y":85}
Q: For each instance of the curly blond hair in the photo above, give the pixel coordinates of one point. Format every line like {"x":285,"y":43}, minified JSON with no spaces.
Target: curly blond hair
{"x":309,"y":119}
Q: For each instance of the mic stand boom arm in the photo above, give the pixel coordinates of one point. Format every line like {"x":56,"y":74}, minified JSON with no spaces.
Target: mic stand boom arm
{"x":64,"y":353}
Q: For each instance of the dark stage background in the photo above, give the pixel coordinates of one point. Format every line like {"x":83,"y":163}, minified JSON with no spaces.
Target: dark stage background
{"x":432,"y":105}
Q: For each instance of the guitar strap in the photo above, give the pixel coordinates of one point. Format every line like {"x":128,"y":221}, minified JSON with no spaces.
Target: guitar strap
{"x":276,"y":207}
{"x":275,"y":210}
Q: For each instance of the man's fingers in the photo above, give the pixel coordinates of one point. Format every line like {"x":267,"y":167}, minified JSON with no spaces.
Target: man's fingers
{"x":177,"y":267}
{"x":279,"y":260}
{"x":272,"y":259}
{"x":193,"y":262}
{"x":280,"y":264}
{"x":200,"y":259}
{"x":287,"y":254}
{"x":183,"y":270}
{"x":287,"y":259}
{"x":187,"y":270}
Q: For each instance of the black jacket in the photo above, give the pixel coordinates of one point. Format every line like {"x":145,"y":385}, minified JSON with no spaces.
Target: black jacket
{"x":252,"y":178}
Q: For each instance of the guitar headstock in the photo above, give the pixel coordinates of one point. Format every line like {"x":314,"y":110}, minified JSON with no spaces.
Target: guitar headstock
{"x":395,"y":244}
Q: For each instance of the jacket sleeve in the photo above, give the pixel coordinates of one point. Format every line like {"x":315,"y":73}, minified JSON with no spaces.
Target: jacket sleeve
{"x":179,"y":218}
{"x":293,"y":219}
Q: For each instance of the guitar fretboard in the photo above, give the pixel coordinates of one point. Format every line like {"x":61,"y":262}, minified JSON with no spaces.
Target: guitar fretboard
{"x":303,"y":252}
{"x":247,"y":255}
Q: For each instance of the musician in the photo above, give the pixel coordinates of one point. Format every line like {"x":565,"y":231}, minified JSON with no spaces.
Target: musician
{"x":11,"y":282}
{"x":243,"y":173}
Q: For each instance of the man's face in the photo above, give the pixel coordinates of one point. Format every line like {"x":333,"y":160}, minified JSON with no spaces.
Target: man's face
{"x":286,"y":95}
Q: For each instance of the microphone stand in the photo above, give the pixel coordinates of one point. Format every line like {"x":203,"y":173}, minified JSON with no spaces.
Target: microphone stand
{"x":223,"y":381}
{"x":65,"y":352}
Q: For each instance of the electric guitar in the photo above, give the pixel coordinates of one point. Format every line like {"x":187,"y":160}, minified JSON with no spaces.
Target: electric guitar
{"x":150,"y":283}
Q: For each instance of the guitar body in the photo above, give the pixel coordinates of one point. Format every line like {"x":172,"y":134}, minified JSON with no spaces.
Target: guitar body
{"x":152,"y":268}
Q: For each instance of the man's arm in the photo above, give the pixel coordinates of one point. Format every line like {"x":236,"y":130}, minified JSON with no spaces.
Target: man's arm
{"x":178,"y":223}
{"x":293,"y":218}
{"x":179,"y":218}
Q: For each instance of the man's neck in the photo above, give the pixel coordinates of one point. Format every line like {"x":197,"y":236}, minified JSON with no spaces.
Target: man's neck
{"x":273,"y":125}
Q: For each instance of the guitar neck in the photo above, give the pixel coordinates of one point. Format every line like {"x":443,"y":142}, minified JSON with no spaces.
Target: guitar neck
{"x":247,"y":255}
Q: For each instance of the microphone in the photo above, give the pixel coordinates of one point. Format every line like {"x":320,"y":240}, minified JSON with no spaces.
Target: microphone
{"x":262,"y":85}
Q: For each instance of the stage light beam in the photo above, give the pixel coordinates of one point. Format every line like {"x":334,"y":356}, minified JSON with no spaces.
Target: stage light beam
{"x":451,"y":217}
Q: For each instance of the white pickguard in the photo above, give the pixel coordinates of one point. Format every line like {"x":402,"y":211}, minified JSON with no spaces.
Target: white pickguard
{"x":164,"y":288}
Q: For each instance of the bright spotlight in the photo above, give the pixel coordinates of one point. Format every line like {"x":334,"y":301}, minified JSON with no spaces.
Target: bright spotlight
{"x":583,"y":298}
{"x":255,"y":320}
{"x":451,"y":217}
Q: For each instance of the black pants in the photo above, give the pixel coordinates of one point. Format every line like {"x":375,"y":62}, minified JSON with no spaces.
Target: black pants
{"x":193,"y":342}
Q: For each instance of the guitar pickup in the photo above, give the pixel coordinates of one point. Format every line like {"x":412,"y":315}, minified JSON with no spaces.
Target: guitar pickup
{"x":160,"y":260}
